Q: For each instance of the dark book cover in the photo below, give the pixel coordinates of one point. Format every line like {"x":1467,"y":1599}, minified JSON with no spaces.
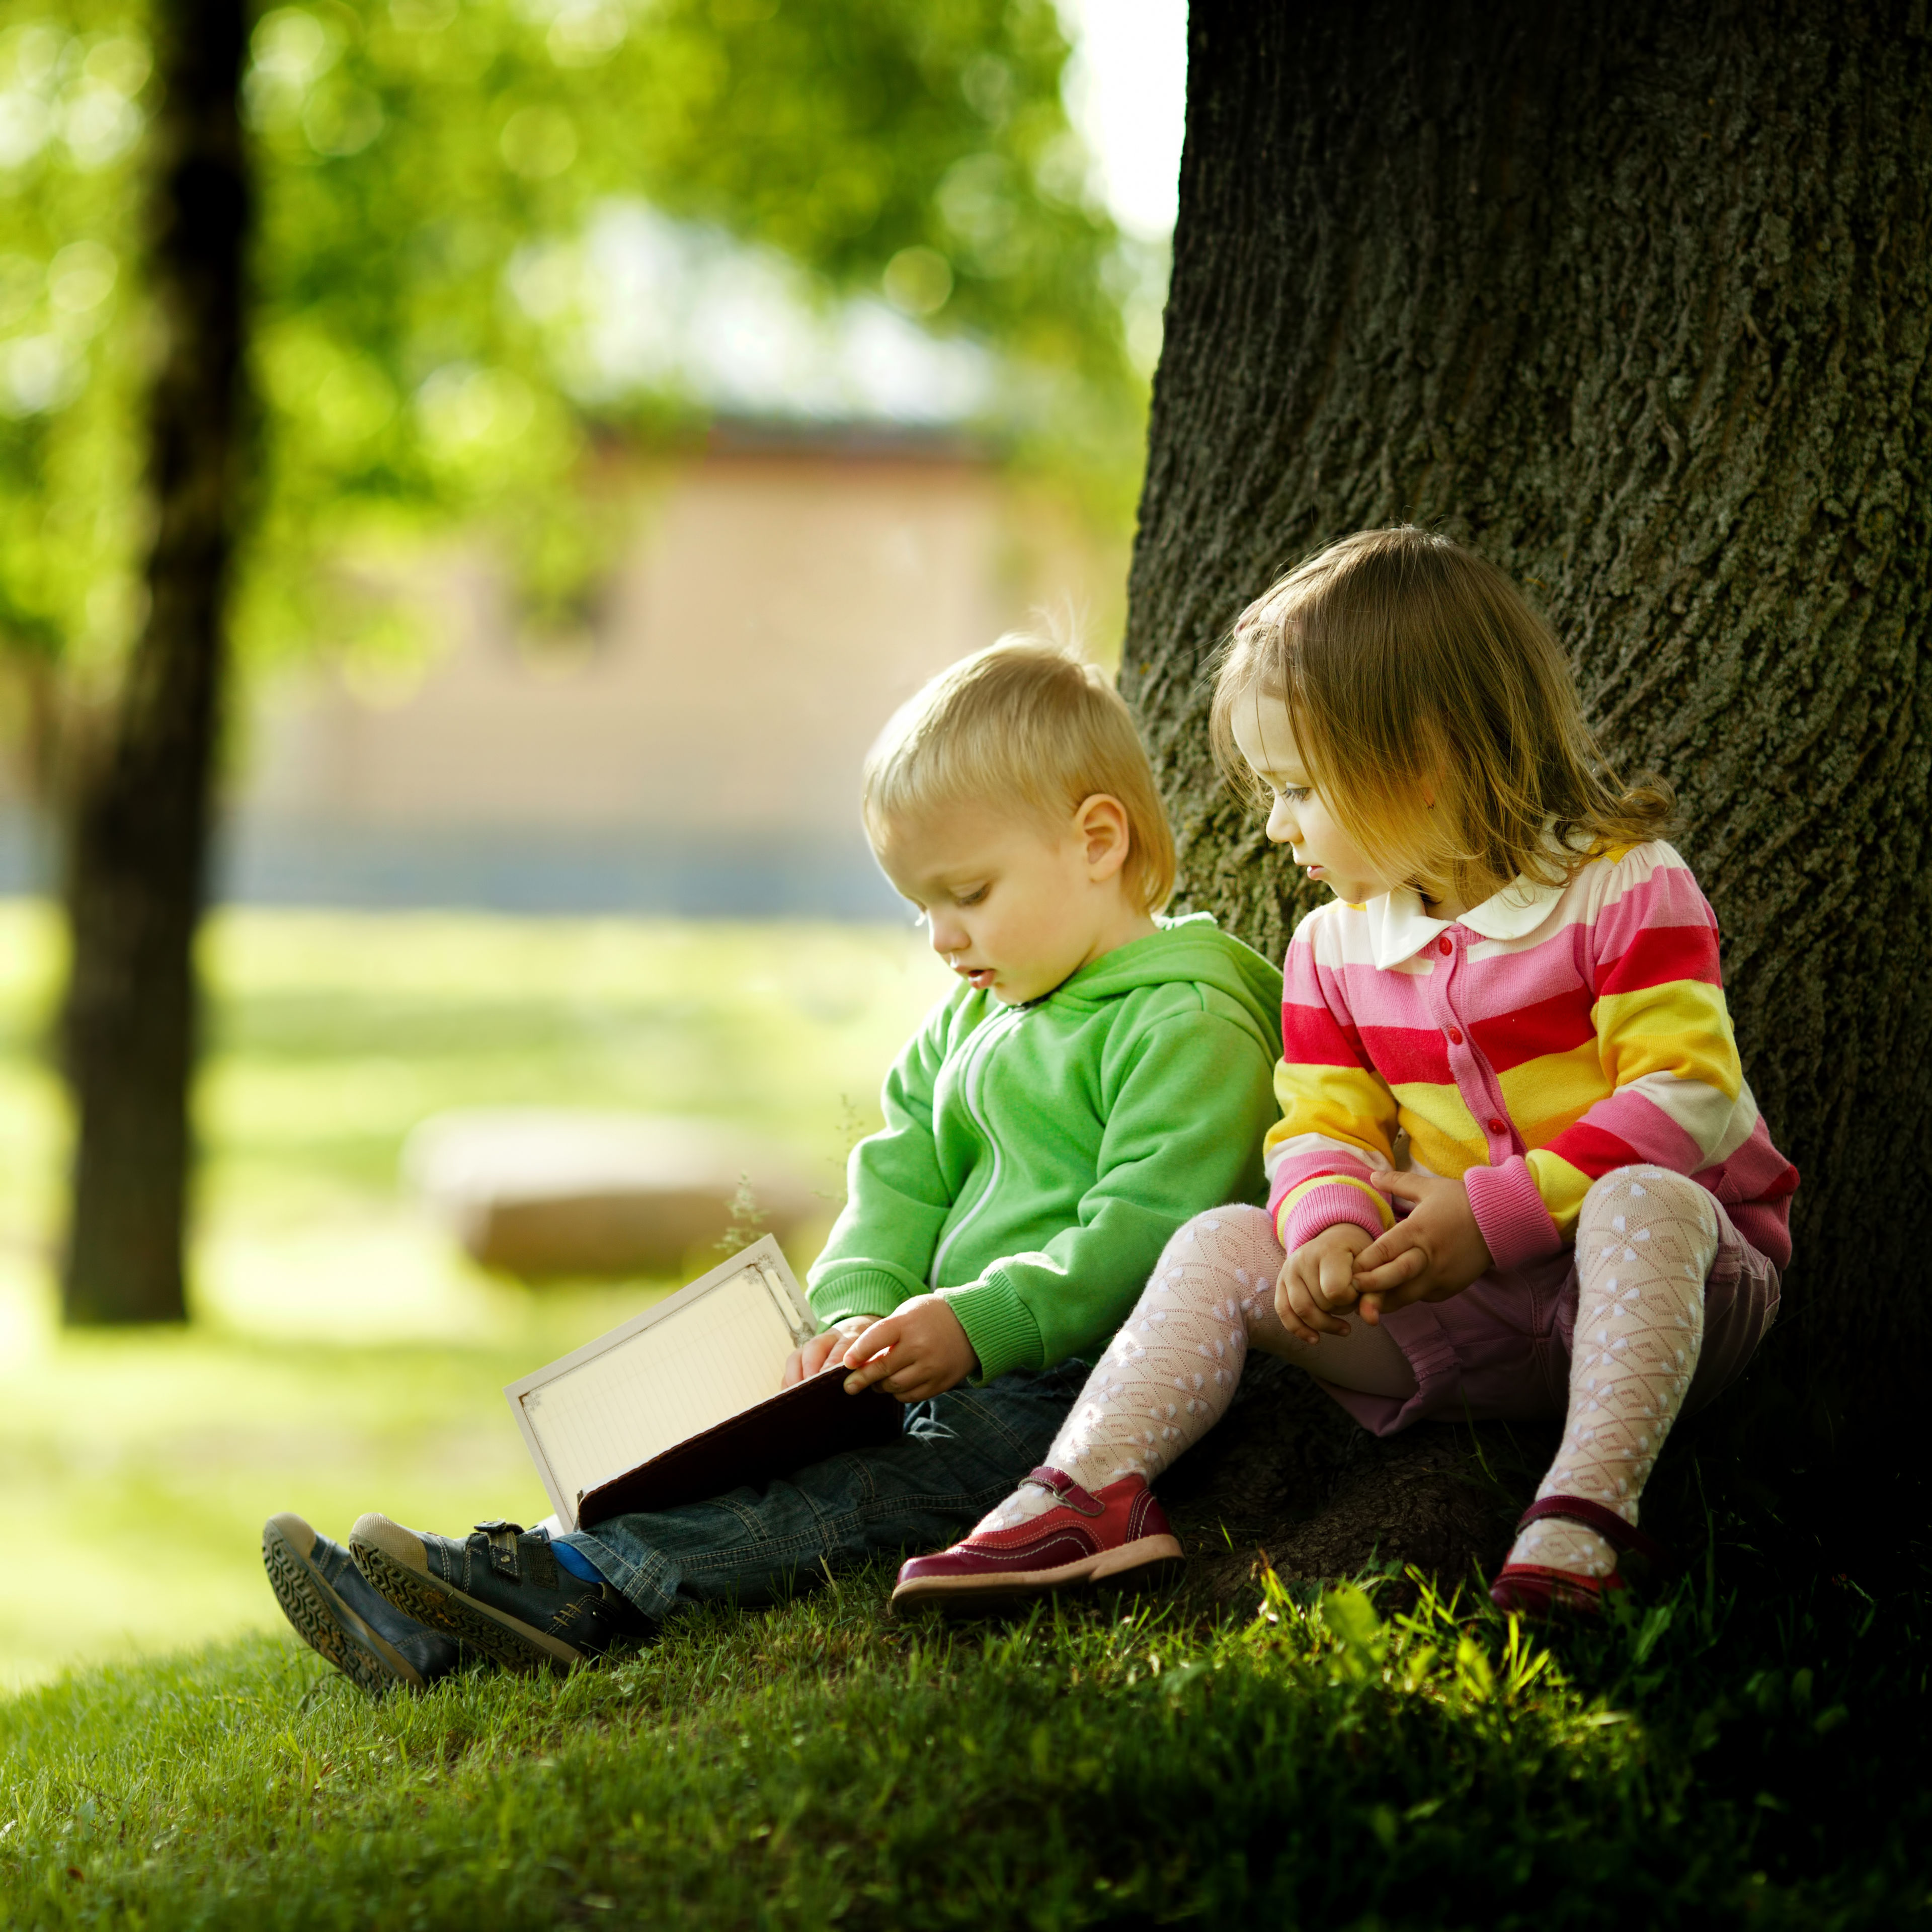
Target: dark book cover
{"x":802,"y":1424}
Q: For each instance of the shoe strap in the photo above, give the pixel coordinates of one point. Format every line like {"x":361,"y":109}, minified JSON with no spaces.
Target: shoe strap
{"x":1624,"y":1538}
{"x":1067,"y":1489}
{"x":501,"y":1537}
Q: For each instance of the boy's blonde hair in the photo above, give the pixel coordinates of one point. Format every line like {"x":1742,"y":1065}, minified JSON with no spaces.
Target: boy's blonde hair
{"x":1028,"y":724}
{"x":1409,"y":665}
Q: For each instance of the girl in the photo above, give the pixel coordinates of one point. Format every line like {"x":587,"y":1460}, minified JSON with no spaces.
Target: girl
{"x":1518,"y":1170}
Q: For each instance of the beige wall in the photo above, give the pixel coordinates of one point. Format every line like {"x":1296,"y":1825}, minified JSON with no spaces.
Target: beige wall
{"x":778,"y":604}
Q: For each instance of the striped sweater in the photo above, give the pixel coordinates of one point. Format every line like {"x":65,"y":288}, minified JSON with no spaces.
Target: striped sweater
{"x":1549,"y":1035}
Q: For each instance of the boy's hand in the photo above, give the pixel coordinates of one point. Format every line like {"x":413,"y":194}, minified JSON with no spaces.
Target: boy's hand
{"x":806,"y":1361}
{"x":1317,"y":1283}
{"x":918,"y":1350}
{"x":1436,"y":1252}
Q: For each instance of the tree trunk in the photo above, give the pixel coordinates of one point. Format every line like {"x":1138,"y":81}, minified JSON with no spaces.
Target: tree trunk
{"x":1636,"y":299}
{"x":137,"y":860}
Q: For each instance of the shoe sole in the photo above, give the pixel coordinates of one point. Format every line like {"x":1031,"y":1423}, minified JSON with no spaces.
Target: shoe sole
{"x":1134,"y":1566}
{"x":392,"y":1560}
{"x":1540,"y":1595}
{"x":321,"y":1619}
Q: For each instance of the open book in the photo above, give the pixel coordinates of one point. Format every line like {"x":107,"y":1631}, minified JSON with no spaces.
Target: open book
{"x":683,"y":1402}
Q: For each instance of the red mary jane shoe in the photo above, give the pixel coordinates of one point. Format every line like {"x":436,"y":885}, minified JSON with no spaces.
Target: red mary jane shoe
{"x":1119,"y":1534}
{"x":1537,"y":1593}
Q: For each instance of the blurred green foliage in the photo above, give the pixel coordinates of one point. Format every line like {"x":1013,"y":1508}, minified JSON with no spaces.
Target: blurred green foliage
{"x":70,"y":123}
{"x":426,"y":172}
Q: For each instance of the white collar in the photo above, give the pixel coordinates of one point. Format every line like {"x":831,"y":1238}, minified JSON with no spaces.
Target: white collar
{"x":1399,"y":928}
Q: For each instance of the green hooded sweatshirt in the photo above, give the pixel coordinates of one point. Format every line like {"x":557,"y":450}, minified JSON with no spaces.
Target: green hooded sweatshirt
{"x":1036,"y":1160}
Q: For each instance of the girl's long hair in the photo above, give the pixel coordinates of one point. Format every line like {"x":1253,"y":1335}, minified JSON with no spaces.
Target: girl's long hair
{"x":1434,"y":711}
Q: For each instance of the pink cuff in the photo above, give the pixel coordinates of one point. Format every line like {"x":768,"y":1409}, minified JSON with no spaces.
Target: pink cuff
{"x":1509,"y":1212}
{"x":1324,"y":1207}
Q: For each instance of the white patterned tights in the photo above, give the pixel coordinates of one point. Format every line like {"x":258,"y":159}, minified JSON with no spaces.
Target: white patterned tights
{"x":1168,"y":1374}
{"x":1644,"y":1243}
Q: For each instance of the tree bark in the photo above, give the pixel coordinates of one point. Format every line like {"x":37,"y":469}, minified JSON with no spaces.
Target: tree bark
{"x":139,"y":834}
{"x":1636,"y":299}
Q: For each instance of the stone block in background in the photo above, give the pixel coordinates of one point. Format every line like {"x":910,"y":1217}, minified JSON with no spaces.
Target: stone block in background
{"x":543,"y":1193}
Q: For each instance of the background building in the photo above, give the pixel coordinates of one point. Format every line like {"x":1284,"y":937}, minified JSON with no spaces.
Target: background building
{"x":698,"y":749}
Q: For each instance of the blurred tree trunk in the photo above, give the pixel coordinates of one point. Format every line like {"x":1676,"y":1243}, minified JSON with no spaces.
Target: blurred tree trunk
{"x":1636,"y":299}
{"x":139,"y":835}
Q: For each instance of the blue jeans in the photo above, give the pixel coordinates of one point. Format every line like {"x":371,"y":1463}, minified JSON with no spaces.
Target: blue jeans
{"x":957,"y":1455}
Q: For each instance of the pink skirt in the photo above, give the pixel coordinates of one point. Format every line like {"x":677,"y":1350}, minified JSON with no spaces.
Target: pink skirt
{"x":1501,"y":1349}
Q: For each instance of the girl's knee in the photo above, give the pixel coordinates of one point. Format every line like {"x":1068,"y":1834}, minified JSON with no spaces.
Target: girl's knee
{"x":1248,"y":1223}
{"x":1224,"y":1254}
{"x":1642,"y":1190}
{"x":1231,"y":1234}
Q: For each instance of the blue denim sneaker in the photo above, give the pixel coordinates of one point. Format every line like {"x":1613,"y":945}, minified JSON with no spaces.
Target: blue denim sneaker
{"x":500,"y":1590}
{"x":340,"y":1618}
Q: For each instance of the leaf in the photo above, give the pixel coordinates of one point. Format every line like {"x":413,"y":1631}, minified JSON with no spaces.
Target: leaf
{"x":1650,"y":1632}
{"x":1351,"y":1617}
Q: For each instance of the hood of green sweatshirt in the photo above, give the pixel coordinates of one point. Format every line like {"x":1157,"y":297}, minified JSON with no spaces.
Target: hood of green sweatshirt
{"x":1191,"y":946}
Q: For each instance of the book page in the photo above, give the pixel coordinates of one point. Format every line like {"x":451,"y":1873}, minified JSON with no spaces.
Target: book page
{"x":669,"y":1381}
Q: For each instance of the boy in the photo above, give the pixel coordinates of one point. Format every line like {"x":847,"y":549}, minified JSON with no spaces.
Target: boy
{"x":1098,"y":1076}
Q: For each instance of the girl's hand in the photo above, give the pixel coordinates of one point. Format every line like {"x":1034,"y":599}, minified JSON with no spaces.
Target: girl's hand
{"x":918,"y":1351}
{"x":1317,"y":1283}
{"x":806,"y":1361}
{"x":1436,"y":1252}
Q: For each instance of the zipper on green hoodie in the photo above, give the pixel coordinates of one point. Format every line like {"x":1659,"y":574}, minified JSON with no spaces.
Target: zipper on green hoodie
{"x":974,"y":1053}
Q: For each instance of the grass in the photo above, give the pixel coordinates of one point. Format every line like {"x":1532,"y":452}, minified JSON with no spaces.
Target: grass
{"x":1745,"y":1753}
{"x":140,"y":1470}
{"x":344,"y":1356}
{"x":1315,"y":1765}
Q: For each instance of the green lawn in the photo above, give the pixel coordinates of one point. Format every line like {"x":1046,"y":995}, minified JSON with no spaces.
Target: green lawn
{"x":347,"y":1358}
{"x":1747,"y":1753}
{"x":1721,"y":1763}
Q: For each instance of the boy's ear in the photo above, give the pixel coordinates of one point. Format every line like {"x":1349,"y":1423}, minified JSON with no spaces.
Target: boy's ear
{"x":1100,"y":823}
